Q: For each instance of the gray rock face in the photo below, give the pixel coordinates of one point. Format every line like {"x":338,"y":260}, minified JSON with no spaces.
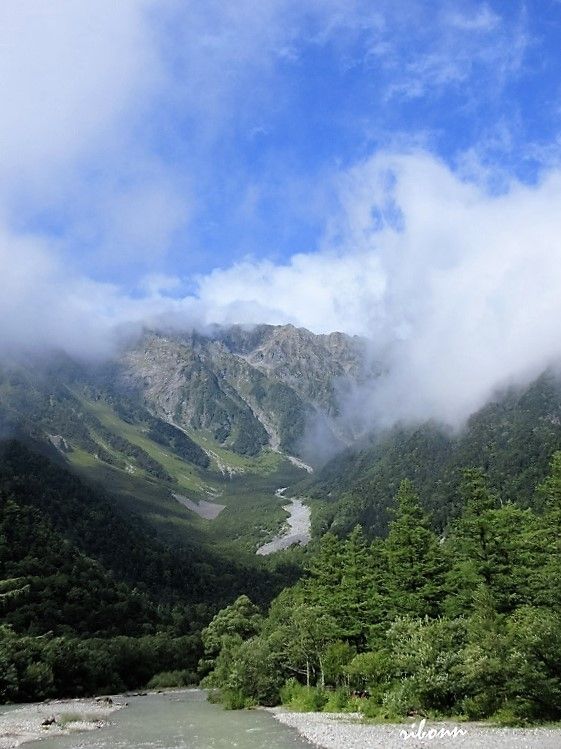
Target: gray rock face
{"x":248,"y":387}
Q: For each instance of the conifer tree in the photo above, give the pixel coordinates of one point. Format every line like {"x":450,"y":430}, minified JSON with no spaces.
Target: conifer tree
{"x":495,"y":546}
{"x":468,"y":544}
{"x":358,"y":595}
{"x":325,"y":574}
{"x":414,"y":559}
{"x":550,"y":492}
{"x":11,"y":588}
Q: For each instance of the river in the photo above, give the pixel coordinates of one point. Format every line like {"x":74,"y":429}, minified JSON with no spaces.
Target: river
{"x":297,"y":530}
{"x":181,"y":720}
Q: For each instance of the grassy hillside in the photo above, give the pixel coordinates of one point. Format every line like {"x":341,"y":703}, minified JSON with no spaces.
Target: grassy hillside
{"x":112,"y":440}
{"x":123,"y":543}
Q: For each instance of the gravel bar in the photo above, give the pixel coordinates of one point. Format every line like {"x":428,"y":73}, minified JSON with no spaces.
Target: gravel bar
{"x":344,"y":731}
{"x":24,"y":723}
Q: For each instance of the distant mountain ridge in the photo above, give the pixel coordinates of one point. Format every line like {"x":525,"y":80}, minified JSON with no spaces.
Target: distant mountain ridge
{"x":251,"y":388}
{"x":212,"y":418}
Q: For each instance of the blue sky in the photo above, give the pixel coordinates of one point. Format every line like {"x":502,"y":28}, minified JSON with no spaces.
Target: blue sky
{"x":388,"y":168}
{"x":330,"y":86}
{"x":237,"y":120}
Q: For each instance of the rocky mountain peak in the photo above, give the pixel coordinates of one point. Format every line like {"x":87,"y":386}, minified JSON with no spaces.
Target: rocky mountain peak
{"x":249,"y":387}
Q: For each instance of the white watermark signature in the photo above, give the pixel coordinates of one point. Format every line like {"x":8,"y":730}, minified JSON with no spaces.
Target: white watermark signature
{"x":419,"y":732}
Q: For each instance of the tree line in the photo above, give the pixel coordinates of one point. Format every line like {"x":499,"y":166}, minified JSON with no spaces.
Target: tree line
{"x":462,"y":623}
{"x":93,"y":601}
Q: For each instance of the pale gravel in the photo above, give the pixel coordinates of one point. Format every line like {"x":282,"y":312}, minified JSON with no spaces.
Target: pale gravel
{"x":23,"y":723}
{"x":344,"y":731}
{"x":296,"y":531}
{"x":204,"y":509}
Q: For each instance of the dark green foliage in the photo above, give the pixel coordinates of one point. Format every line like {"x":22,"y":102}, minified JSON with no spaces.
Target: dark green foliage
{"x":91,"y":600}
{"x":65,"y":591}
{"x":415,"y":565}
{"x":37,"y":399}
{"x":39,"y":668}
{"x":250,"y":435}
{"x":178,"y":441}
{"x":512,"y":439}
{"x":418,"y":624}
{"x":214,"y":405}
{"x":291,"y":414}
{"x":501,"y":548}
{"x":170,"y":679}
{"x":239,"y":620}
{"x":125,"y":545}
{"x":358,"y":595}
{"x":140,"y":456}
{"x":158,"y":431}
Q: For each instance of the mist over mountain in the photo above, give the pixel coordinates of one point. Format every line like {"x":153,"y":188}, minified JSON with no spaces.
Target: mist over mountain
{"x":454,"y":287}
{"x":280,"y":291}
{"x":276,"y":387}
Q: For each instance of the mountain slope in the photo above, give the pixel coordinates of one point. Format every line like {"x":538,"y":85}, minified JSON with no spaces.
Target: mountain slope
{"x":512,"y":439}
{"x":248,"y":388}
{"x":179,"y":419}
{"x":123,"y":545}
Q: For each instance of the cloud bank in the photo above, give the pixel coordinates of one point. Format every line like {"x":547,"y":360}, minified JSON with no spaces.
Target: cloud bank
{"x":458,"y":290}
{"x":457,"y":287}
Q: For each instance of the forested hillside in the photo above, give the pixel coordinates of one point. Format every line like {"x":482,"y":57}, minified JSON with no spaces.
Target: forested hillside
{"x":75,"y":568}
{"x":111,"y":438}
{"x":511,"y":439}
{"x":468,"y":624}
{"x":411,"y":600}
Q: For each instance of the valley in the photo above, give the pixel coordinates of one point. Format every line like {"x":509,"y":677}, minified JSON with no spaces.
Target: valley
{"x":144,"y":498}
{"x":243,"y":486}
{"x":297,"y":530}
{"x":219,"y":422}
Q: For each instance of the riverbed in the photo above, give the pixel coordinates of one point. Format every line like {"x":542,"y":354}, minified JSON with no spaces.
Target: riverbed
{"x":297,"y":530}
{"x":181,"y":720}
{"x":347,"y":731}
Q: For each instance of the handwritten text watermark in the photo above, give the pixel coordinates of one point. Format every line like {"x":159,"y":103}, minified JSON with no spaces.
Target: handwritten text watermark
{"x":419,"y":732}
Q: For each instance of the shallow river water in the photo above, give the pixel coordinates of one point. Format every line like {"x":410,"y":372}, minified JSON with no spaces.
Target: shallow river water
{"x":182,"y":720}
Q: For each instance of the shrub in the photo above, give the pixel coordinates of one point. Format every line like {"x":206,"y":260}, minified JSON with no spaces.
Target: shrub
{"x":235,"y":699}
{"x":367,"y":670}
{"x":337,"y":701}
{"x":168,"y":679}
{"x":303,"y":699}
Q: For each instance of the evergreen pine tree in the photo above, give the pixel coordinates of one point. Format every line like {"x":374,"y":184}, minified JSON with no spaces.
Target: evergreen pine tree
{"x":358,"y":596}
{"x":498,"y":547}
{"x":325,"y":574}
{"x":414,"y":559}
{"x":550,"y":492}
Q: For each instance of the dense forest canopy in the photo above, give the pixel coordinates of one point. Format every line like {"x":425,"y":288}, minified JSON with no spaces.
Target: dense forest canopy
{"x":512,"y":439}
{"x":465,"y":623}
{"x":431,"y":585}
{"x":91,"y":600}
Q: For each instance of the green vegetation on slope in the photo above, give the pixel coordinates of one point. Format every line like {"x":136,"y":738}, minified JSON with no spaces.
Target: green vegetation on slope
{"x":99,"y":603}
{"x":468,"y":625}
{"x":110,"y":438}
{"x":245,"y":485}
{"x":511,"y":439}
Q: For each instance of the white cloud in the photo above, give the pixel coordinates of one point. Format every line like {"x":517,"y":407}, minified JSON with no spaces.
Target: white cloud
{"x":435,"y":48}
{"x":76,"y":80}
{"x":458,"y":289}
{"x":68,"y":72}
{"x":462,"y":291}
{"x":483,"y":19}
